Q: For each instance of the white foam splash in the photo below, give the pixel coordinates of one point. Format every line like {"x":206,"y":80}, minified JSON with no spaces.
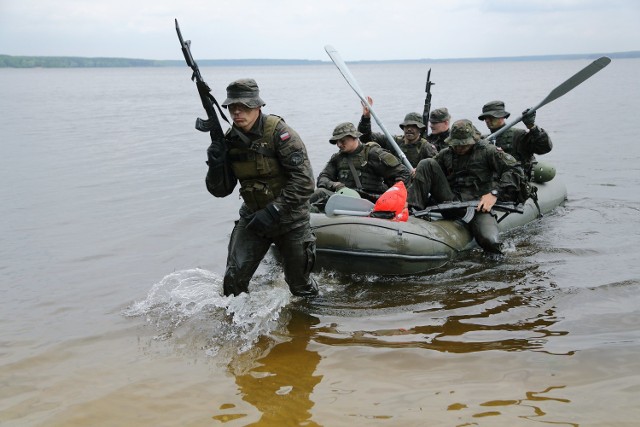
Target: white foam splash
{"x":189,"y":305}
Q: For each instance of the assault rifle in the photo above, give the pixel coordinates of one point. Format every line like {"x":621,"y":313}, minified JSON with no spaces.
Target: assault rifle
{"x":427,"y":103}
{"x":211,"y":124}
{"x":470,"y":206}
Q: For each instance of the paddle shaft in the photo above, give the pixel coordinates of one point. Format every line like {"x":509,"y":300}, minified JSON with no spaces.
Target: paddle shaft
{"x":559,"y":91}
{"x":344,"y":70}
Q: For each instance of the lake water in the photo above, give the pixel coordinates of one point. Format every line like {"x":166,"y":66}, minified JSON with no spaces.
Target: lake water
{"x":112,"y":254}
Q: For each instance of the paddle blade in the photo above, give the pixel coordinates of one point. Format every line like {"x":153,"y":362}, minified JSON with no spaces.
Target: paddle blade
{"x":351,"y":80}
{"x":576,"y":80}
{"x":559,"y":91}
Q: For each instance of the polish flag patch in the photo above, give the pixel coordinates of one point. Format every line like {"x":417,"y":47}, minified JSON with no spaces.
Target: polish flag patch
{"x":285,"y":136}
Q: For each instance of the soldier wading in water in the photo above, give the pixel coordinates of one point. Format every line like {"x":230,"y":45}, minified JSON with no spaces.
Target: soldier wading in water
{"x":270,"y":161}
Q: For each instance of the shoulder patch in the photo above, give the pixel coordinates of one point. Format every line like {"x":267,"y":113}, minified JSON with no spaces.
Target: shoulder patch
{"x":389,"y":159}
{"x":285,"y":136}
{"x":296,"y":158}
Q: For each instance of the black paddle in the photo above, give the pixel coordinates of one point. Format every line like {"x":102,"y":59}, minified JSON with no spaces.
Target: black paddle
{"x":559,"y":91}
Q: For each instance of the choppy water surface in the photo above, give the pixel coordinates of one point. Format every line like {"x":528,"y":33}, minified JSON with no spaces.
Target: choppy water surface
{"x":113,"y":252}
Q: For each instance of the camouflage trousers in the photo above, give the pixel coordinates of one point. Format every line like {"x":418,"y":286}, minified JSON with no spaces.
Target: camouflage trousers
{"x":247,"y":249}
{"x":430,"y":184}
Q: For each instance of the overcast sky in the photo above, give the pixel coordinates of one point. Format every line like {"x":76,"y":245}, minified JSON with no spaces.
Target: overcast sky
{"x":299,"y":29}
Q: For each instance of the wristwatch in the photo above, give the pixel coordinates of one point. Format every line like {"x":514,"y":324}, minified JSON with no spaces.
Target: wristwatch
{"x":494,"y":193}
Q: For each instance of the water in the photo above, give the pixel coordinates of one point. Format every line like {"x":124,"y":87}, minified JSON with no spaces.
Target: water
{"x":112,"y":255}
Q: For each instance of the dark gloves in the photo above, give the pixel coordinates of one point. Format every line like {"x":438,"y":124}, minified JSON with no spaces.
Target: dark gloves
{"x":529,"y":118}
{"x":337,"y":186}
{"x":216,"y":152}
{"x":265,"y":220}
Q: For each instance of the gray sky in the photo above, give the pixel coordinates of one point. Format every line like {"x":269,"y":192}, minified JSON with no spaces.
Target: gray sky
{"x":299,"y":29}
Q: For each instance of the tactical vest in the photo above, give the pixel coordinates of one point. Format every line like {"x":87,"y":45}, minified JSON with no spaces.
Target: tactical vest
{"x":371,"y":183}
{"x":505,"y":141}
{"x":257,"y":167}
{"x":412,"y":151}
{"x":468,"y":175}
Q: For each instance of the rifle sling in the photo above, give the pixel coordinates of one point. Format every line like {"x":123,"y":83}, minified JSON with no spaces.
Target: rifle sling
{"x":354,"y":173}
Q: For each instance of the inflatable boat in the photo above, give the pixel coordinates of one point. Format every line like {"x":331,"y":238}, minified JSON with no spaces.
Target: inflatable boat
{"x":352,"y":243}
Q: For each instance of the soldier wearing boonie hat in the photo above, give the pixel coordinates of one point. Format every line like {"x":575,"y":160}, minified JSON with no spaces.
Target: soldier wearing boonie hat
{"x":439,"y":124}
{"x":363,"y":167}
{"x":342,"y":130}
{"x":521,"y":144}
{"x":462,"y":133}
{"x":494,"y":109}
{"x":245,"y":92}
{"x":270,"y":161}
{"x":414,"y":119}
{"x":411,"y":142}
{"x":468,"y":169}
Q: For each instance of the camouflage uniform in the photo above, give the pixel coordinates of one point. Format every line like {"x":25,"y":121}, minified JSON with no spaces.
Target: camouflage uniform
{"x":421,"y":149}
{"x":452,"y":177}
{"x":439,"y":115}
{"x":437,"y":139}
{"x":376,"y":169}
{"x":270,"y":161}
{"x":521,"y":144}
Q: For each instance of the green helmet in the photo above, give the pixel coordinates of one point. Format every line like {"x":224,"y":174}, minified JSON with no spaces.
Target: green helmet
{"x":543,"y":172}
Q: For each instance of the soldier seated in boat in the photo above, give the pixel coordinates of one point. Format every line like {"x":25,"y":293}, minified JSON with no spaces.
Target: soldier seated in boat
{"x":439,"y":124}
{"x":411,"y":142}
{"x":521,"y":144}
{"x":469,"y":169}
{"x":364,"y":167}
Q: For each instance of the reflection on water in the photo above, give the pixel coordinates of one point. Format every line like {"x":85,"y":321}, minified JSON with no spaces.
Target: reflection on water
{"x":469,"y":307}
{"x":463,"y":321}
{"x":534,"y":401}
{"x":280,"y":383}
{"x":269,"y":342}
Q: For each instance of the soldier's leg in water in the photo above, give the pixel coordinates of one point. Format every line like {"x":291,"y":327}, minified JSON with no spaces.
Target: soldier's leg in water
{"x":429,"y":180}
{"x":246,"y":250}
{"x":484,"y":228}
{"x":298,"y":249}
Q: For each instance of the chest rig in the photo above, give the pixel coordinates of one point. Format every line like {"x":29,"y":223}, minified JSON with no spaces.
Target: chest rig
{"x":256,"y":165}
{"x":353,"y":171}
{"x":468,"y":174}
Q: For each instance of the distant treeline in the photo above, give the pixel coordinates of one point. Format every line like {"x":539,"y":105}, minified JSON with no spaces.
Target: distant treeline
{"x":7,"y":61}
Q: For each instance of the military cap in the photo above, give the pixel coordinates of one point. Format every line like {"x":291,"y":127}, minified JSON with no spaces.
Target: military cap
{"x":244,"y":91}
{"x":439,"y":115}
{"x":413,"y":119}
{"x":493,"y":109}
{"x":342,"y":130}
{"x":462,"y":133}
